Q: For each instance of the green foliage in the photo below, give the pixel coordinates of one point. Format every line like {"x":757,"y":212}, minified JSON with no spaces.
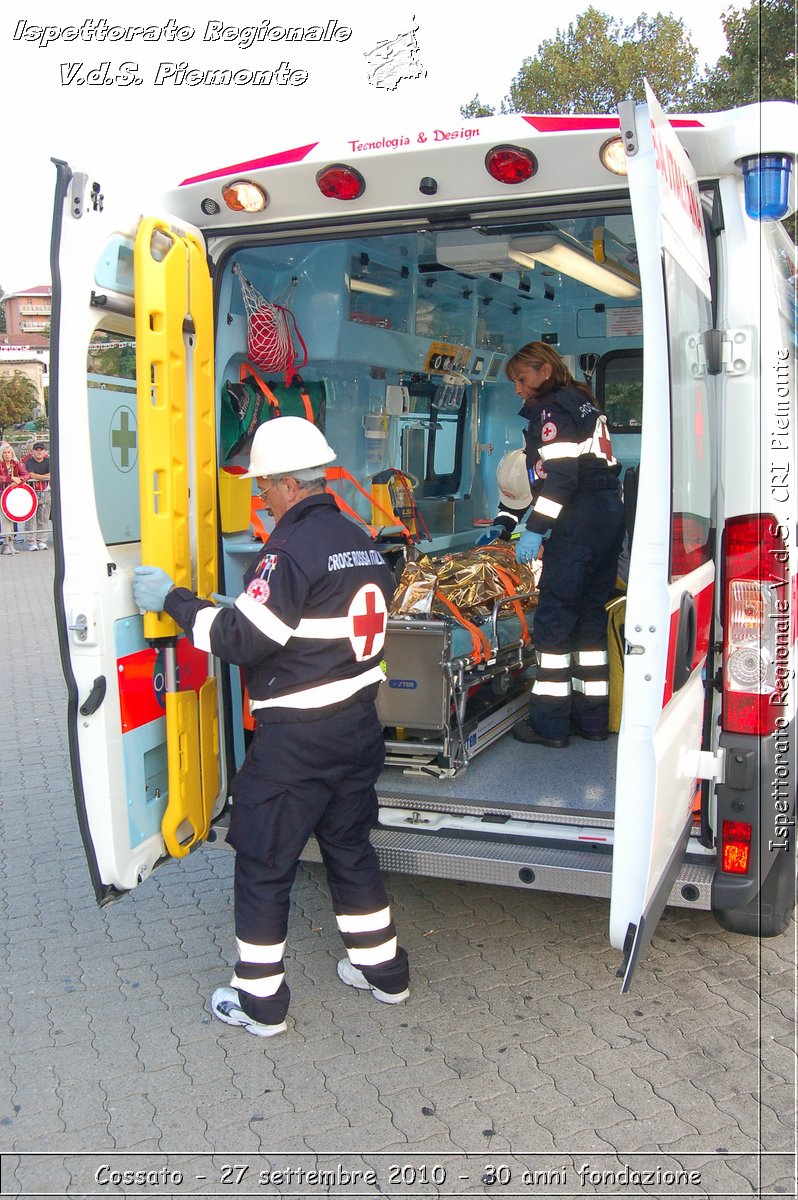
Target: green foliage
{"x":598,"y":61}
{"x":475,"y":108}
{"x":18,"y":398}
{"x":759,"y":63}
{"x":117,"y":360}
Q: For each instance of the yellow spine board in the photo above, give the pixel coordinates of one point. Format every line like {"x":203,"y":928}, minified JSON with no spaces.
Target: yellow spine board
{"x":161,"y":287}
{"x":174,"y":370}
{"x":209,"y":750}
{"x":201,"y":309}
{"x":184,"y":809}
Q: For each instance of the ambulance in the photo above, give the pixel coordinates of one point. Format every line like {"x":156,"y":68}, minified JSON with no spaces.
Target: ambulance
{"x":401,"y":270}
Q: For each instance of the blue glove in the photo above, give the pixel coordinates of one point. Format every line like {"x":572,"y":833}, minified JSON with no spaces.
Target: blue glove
{"x":527,"y":546}
{"x":490,"y":535}
{"x":150,"y":586}
{"x":223,"y":601}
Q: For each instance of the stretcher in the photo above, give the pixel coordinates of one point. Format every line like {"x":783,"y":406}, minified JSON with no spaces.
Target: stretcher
{"x":454,"y":687}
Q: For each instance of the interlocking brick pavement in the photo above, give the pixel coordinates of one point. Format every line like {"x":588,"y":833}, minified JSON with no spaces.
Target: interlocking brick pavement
{"x":516,"y":1041}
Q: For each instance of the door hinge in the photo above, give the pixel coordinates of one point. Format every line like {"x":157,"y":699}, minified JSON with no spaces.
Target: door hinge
{"x":703,"y":764}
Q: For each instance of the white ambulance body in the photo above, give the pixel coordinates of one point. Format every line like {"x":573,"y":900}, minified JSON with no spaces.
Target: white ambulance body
{"x":415,"y":262}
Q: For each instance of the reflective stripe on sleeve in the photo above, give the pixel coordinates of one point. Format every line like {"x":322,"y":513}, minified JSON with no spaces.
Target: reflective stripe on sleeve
{"x":562,"y":450}
{"x":263,"y":619}
{"x":201,"y":629}
{"x":547,"y":508}
{"x":323,"y":693}
{"x":365,"y":922}
{"x":251,"y":952}
{"x":324,"y":628}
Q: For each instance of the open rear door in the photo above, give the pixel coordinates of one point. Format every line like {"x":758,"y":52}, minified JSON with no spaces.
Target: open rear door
{"x":672,"y":571}
{"x":133,"y":444}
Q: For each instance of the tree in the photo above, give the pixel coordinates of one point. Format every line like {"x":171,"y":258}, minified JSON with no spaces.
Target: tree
{"x":18,"y":398}
{"x":475,"y":108}
{"x":598,"y":61}
{"x":759,"y":63}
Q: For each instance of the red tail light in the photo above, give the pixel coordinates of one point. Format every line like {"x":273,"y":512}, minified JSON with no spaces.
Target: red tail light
{"x":339,"y":182}
{"x":736,"y":847}
{"x":510,"y":164}
{"x":756,"y":624}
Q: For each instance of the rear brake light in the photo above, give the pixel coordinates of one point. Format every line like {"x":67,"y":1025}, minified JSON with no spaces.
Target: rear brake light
{"x":756,"y":623}
{"x":510,"y":164}
{"x":339,"y":182}
{"x":736,"y":847}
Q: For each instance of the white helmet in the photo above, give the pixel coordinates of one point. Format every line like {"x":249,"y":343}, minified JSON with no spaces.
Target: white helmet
{"x":512,"y":477}
{"x":287,"y":444}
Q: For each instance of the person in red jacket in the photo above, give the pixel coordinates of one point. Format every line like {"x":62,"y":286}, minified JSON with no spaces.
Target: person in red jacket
{"x":11,"y":472}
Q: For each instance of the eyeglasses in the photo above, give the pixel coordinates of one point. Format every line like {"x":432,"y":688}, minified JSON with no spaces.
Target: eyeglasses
{"x":270,"y":485}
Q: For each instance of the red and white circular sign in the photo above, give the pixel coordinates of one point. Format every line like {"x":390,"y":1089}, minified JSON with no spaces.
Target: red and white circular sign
{"x":19,"y":502}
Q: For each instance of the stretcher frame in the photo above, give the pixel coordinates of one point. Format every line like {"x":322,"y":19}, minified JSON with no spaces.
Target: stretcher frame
{"x":440,"y":709}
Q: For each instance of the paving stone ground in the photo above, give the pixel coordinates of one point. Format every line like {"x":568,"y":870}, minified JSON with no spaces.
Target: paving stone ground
{"x":516,"y":1053}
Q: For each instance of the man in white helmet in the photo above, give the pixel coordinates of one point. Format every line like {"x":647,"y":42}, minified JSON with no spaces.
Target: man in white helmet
{"x":308,"y":629}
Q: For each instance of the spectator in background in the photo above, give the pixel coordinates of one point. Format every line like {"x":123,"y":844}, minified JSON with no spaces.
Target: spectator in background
{"x":38,"y":467}
{"x":11,"y":472}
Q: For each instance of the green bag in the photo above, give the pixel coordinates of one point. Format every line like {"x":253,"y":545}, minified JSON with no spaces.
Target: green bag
{"x":250,"y":402}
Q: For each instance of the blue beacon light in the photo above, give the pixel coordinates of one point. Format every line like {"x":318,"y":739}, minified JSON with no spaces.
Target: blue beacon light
{"x":767,"y":186}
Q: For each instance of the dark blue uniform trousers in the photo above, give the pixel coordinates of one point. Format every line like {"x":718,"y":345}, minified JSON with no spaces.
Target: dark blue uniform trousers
{"x":304,"y":777}
{"x":580,"y":565}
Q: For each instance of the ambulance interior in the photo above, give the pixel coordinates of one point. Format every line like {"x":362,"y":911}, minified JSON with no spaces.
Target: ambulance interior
{"x":375,"y":313}
{"x":380,"y":315}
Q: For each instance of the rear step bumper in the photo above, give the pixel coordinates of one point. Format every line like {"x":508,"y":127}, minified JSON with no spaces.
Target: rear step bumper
{"x":540,"y":868}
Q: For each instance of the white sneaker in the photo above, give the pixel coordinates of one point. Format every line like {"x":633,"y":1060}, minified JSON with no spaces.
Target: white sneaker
{"x":226,"y":1005}
{"x":352,"y":977}
{"x":43,"y":546}
{"x":33,"y":547}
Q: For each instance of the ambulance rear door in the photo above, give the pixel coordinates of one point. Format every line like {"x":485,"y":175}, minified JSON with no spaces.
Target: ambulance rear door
{"x":134,"y":467}
{"x":672,"y":572}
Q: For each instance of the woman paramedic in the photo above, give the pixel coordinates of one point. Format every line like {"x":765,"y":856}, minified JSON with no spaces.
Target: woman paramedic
{"x":576,"y":506}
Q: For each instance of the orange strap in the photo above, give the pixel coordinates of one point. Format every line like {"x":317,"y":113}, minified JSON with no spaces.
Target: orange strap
{"x":511,"y":591}
{"x":479,"y":641}
{"x":247,"y":369}
{"x":338,"y":473}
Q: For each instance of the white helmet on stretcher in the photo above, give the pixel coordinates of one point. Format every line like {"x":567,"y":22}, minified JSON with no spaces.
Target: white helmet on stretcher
{"x":287,"y":444}
{"x":513,"y":480}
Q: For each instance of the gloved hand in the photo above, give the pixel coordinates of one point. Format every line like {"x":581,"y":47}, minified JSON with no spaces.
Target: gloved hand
{"x":223,"y":601}
{"x":150,"y":586}
{"x":527,"y":546}
{"x":490,"y":535}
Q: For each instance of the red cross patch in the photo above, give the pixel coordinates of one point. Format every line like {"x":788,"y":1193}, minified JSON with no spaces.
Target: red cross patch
{"x":259,"y":591}
{"x":368,"y":616}
{"x":540,"y":470}
{"x":549,"y":431}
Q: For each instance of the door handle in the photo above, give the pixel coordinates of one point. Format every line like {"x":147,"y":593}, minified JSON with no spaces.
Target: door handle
{"x":94,"y":698}
{"x":685,"y":641}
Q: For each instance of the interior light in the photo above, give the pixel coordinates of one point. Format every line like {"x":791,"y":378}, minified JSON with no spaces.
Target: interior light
{"x":244,"y":196}
{"x":339,"y":182}
{"x":613,"y":156}
{"x":610,"y":278}
{"x":510,"y":164}
{"x":371,"y":289}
